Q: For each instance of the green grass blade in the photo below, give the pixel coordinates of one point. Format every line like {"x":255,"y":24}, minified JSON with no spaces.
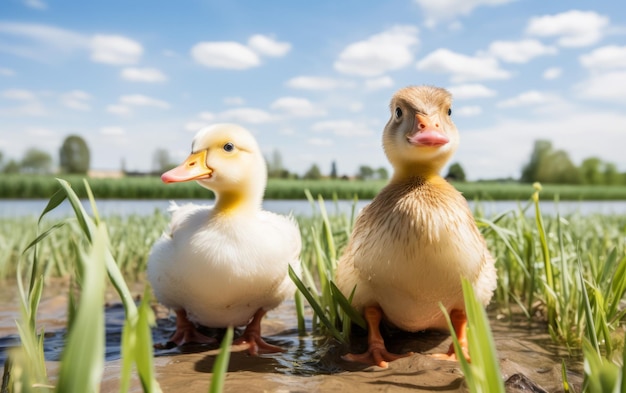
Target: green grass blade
{"x":346,"y":306}
{"x":319,"y":311}
{"x":547,"y":263}
{"x":92,"y":201}
{"x":88,"y":228}
{"x":566,"y":388}
{"x":300,"y":313}
{"x":589,"y":322}
{"x":54,"y":201}
{"x":43,"y":236}
{"x":81,"y":215}
{"x":483,"y":374}
{"x":465,"y":366}
{"x":623,"y":369}
{"x":144,"y":353}
{"x":481,"y":344}
{"x":220,"y":368}
{"x":82,"y":361}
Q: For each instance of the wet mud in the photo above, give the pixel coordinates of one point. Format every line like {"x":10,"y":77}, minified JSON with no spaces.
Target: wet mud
{"x":529,"y":360}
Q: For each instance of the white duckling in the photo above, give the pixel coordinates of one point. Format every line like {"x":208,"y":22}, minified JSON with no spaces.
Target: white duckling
{"x":413,"y":243}
{"x":225,"y":264}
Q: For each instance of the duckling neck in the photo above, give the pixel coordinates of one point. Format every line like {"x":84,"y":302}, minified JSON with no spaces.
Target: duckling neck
{"x":424,"y":173}
{"x":234,"y":201}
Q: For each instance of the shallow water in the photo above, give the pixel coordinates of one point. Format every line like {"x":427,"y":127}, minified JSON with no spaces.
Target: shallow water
{"x":13,"y":208}
{"x":528,"y":359}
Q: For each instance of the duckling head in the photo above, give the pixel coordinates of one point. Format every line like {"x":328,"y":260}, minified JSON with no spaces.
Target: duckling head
{"x":226,"y":159}
{"x":420,"y":136}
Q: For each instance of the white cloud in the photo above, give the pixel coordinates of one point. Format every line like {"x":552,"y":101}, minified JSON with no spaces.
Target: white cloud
{"x":194,"y":126}
{"x":234,"y":101}
{"x":26,"y":109}
{"x":228,"y":54}
{"x":45,"y":41}
{"x":608,"y":86}
{"x":470,"y":91}
{"x":149,"y":75}
{"x":382,"y":82}
{"x":299,"y":107}
{"x":318,"y":83}
{"x":552,"y":73}
{"x":115,"y":50}
{"x":77,"y":100}
{"x":19,"y":95}
{"x":207,"y":116}
{"x":528,"y":98}
{"x":36,"y":4}
{"x":204,"y":119}
{"x":355,"y":106}
{"x":49,"y":42}
{"x":246,"y":115}
{"x":40,"y":132}
{"x":27,"y":103}
{"x":347,"y":128}
{"x":461,"y":67}
{"x":6,"y":71}
{"x":440,"y":10}
{"x":142,"y":100}
{"x":604,"y":58}
{"x":572,"y":28}
{"x":380,"y":53}
{"x":112,"y":131}
{"x":467,"y":111}
{"x":319,"y":141}
{"x":120,"y":110}
{"x":267,"y":46}
{"x":520,"y":51}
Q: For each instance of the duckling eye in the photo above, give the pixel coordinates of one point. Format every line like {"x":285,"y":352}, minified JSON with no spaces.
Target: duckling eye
{"x":449,"y":111}
{"x":398,"y":112}
{"x":229,"y":147}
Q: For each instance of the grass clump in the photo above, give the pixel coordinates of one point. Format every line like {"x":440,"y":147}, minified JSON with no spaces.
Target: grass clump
{"x":82,"y":359}
{"x":483,"y":373}
{"x":323,"y":240}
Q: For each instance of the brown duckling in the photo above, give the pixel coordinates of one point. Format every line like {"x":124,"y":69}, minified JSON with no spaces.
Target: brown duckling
{"x":412,"y":244}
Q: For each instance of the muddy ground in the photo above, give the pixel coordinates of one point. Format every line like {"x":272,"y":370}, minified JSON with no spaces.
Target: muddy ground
{"x":529,"y":361}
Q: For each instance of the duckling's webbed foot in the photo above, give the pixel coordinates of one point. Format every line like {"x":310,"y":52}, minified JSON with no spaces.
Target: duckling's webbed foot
{"x":376,"y":353}
{"x":186,"y":332}
{"x":459,"y":323}
{"x":252,"y":337}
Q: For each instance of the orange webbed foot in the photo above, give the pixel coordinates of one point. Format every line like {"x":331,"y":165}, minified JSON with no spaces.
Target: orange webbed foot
{"x":186,"y":333}
{"x":252,"y":337}
{"x":376,"y":353}
{"x":459,"y":324}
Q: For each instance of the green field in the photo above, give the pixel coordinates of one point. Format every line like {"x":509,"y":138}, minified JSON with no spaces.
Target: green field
{"x":30,"y":186}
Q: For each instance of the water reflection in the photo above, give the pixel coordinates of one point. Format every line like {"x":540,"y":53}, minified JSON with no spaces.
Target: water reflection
{"x":12,"y":208}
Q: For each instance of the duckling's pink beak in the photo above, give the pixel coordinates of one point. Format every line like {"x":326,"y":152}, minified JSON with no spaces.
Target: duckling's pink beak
{"x":194,"y":168}
{"x":427,"y":132}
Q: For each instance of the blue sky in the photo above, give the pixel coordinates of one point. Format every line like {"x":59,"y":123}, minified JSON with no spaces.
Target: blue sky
{"x":312,"y":79}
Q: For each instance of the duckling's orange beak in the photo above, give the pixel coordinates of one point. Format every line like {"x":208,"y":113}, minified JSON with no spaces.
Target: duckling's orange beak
{"x":427,"y":132}
{"x":194,"y":168}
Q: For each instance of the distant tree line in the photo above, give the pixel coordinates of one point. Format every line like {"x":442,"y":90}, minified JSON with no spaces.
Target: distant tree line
{"x":74,"y":158}
{"x":546,"y":165}
{"x":276,"y":170}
